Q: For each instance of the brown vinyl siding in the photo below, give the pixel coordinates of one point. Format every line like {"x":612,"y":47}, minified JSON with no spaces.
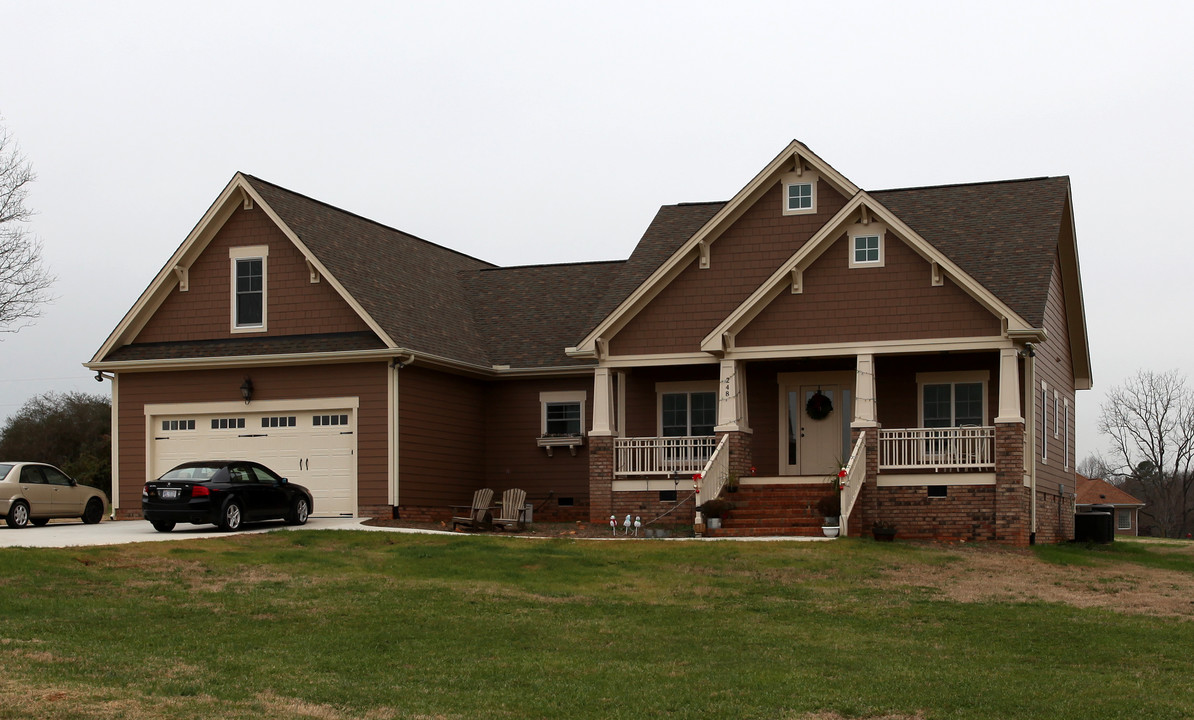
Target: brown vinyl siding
{"x":843,"y":304}
{"x":898,"y":397}
{"x":365,"y":381}
{"x":441,"y":421}
{"x":1054,"y":366}
{"x":642,"y":405}
{"x":512,"y":456}
{"x":741,"y":258}
{"x":294,"y":305}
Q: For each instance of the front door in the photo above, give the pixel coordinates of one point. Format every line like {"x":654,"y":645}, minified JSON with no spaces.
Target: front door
{"x":818,"y":425}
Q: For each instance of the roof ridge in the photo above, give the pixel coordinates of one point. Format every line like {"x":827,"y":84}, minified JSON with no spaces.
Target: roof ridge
{"x":365,"y":219}
{"x":972,"y":184}
{"x":548,"y":265}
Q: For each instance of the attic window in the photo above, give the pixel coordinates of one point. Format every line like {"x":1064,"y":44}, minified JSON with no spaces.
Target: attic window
{"x":799,"y":192}
{"x":249,"y":288}
{"x":866,"y":247}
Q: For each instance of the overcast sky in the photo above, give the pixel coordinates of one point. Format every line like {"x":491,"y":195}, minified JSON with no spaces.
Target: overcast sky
{"x":525,"y":132}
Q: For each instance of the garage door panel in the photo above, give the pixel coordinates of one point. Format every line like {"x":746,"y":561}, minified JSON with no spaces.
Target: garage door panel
{"x":316,"y":449}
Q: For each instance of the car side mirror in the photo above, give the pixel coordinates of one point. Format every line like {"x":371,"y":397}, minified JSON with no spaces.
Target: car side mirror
{"x":285,"y":480}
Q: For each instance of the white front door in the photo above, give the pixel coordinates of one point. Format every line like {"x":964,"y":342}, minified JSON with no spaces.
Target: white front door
{"x":818,"y":424}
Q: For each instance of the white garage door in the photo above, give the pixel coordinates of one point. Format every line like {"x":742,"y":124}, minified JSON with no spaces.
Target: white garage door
{"x":316,"y":448}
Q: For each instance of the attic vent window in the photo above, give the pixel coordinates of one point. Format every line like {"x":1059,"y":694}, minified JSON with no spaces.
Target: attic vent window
{"x":800,"y":196}
{"x":866,"y":249}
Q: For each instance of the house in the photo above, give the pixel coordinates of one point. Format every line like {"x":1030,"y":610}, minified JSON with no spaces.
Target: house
{"x":928,"y":342}
{"x":1092,"y":492}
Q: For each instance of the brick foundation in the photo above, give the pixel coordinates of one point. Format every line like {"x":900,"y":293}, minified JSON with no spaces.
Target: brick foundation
{"x":1054,"y":518}
{"x":651,"y":509}
{"x":966,"y":513}
{"x":1012,"y":517}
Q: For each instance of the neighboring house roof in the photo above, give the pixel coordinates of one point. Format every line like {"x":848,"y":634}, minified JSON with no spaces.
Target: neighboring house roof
{"x":1094,"y":491}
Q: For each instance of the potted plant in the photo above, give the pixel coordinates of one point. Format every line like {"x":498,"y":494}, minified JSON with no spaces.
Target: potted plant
{"x":713,"y":510}
{"x":883,"y":531}
{"x":830,"y":507}
{"x":732,"y":483}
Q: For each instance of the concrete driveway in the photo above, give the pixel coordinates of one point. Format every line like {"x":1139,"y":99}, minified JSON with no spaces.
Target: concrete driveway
{"x":70,"y":533}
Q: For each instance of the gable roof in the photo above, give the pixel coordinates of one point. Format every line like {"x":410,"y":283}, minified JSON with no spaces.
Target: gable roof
{"x":1095,"y":491}
{"x":1003,"y":234}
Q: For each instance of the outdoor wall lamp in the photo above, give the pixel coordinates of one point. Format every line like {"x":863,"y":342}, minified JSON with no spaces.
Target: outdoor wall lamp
{"x":246,"y":390}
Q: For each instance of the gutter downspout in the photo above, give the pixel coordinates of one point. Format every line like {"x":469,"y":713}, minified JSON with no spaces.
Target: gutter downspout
{"x":1030,"y":407}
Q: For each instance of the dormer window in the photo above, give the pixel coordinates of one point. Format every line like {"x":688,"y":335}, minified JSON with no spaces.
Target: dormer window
{"x":800,"y":196}
{"x":248,"y":288}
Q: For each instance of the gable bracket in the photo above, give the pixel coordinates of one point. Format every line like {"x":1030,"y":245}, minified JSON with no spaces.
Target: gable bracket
{"x":799,"y":169}
{"x":727,"y":341}
{"x":797,"y":280}
{"x":248,"y":199}
{"x":183,"y":273}
{"x":938,"y":275}
{"x":312,"y":270}
{"x":704,"y":248}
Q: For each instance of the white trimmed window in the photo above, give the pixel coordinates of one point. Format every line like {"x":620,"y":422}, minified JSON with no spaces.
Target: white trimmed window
{"x":1044,"y":423}
{"x":866,"y":244}
{"x":687,"y":409}
{"x":248,"y":288}
{"x":800,"y":193}
{"x":561,"y":413}
{"x":956,"y":399}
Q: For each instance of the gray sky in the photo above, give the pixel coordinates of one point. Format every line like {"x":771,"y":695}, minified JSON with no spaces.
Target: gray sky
{"x":525,"y":132}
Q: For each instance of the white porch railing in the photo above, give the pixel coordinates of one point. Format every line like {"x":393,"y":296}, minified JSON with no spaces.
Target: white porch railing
{"x":662,"y":455}
{"x":855,"y":477}
{"x":714,"y":474}
{"x":964,"y":448}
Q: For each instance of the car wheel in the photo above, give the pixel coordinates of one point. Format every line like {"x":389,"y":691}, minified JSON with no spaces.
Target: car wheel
{"x":232,"y":517}
{"x":162,"y":525}
{"x":39,"y":522}
{"x":298,"y":512}
{"x":94,"y":512}
{"x":18,"y":515}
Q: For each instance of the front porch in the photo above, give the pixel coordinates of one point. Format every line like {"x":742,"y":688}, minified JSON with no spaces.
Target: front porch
{"x":948,"y":475}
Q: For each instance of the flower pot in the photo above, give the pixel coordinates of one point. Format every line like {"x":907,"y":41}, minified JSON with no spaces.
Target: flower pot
{"x":831,"y":530}
{"x":713,"y":523}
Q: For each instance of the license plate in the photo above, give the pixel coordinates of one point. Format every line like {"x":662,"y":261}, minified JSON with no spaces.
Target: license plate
{"x":168,"y":494}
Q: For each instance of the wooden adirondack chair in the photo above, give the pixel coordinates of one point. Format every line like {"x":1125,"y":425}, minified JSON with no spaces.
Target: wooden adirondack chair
{"x":479,"y":515}
{"x":513,"y":509}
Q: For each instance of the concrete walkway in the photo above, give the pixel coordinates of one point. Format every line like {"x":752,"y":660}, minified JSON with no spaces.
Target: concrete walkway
{"x":73,"y":533}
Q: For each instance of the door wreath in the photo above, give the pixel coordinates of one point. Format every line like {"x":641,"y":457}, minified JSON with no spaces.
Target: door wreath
{"x":818,"y":406}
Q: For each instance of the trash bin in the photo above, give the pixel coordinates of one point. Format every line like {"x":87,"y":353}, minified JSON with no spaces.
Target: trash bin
{"x":527,"y":513}
{"x":1095,"y":525}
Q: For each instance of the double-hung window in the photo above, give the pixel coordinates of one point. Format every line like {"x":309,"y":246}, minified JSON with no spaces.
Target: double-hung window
{"x":249,"y":288}
{"x":687,"y":414}
{"x":952,"y":404}
{"x":563,"y":418}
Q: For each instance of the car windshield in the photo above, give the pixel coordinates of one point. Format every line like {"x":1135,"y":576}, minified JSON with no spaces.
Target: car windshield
{"x":202,"y":472}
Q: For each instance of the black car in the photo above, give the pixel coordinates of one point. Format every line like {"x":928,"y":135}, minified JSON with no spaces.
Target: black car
{"x":225,"y":493}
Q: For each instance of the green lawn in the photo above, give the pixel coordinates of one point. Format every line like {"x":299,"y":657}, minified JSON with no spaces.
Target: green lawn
{"x":337,"y":624}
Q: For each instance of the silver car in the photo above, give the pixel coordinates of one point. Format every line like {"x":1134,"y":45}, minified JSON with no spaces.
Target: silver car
{"x":36,"y":492}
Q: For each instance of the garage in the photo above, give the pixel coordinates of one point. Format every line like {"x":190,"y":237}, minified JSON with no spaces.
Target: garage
{"x":312,"y":444}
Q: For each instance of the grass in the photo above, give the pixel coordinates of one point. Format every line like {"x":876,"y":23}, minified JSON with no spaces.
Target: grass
{"x":380,"y":625}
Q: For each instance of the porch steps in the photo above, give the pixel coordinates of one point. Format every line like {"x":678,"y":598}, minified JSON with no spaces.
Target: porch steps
{"x":765,"y":510}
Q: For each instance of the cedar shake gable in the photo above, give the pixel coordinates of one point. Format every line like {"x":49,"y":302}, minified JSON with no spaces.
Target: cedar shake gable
{"x":528,"y":315}
{"x":409,"y":286}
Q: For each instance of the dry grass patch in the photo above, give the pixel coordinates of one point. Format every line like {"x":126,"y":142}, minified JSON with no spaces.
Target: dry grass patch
{"x":992,"y":574}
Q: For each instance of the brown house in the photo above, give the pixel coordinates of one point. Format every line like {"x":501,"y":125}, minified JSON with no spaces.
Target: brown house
{"x":1095,"y":493}
{"x":929,"y":341}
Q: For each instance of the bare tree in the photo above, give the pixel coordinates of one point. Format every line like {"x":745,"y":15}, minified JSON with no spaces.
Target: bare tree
{"x":1094,"y":466}
{"x":24,"y":282}
{"x":1150,"y":419}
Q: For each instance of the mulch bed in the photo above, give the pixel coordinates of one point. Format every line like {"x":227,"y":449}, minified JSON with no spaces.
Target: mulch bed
{"x":539,"y":529}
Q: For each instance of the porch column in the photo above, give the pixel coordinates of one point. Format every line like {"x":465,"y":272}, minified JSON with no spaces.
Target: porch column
{"x":864,"y":393}
{"x":601,"y":448}
{"x":731,"y":398}
{"x":603,"y":404}
{"x":1009,"y":387}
